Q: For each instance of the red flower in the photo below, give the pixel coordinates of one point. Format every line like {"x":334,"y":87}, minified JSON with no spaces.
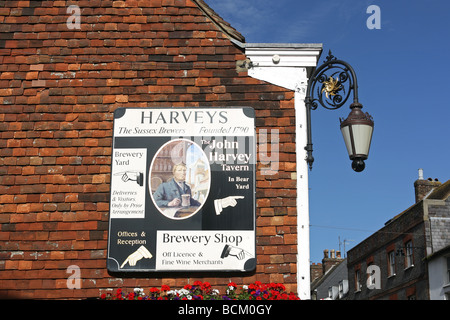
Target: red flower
{"x":206,"y":285}
{"x":274,"y":293}
{"x":292,"y":296}
{"x":202,"y":290}
{"x":165,"y":287}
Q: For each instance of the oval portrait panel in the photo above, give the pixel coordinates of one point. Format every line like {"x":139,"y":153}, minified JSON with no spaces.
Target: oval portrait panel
{"x":179,"y":179}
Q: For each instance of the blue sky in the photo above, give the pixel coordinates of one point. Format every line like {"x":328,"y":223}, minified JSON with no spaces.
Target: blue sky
{"x":403,"y":76}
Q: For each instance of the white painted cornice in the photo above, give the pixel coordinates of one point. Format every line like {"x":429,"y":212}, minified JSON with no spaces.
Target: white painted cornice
{"x":283,"y":54}
{"x":283,"y":64}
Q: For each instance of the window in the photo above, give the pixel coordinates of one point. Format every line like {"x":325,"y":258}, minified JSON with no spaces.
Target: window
{"x":411,"y":293}
{"x":333,"y":292}
{"x":370,"y":275}
{"x":357,"y":280}
{"x":343,"y":288}
{"x":409,"y":259}
{"x":391,"y":263}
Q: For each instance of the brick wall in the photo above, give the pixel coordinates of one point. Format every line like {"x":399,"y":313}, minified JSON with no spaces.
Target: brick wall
{"x":58,"y":89}
{"x":406,"y":226}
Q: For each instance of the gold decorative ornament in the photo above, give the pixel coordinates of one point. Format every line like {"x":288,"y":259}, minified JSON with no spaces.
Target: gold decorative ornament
{"x":331,"y":87}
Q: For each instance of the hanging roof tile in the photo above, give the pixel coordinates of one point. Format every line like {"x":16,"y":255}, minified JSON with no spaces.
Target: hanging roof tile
{"x":219,"y":21}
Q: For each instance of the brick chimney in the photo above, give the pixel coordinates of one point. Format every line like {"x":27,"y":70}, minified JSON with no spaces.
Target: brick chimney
{"x":331,"y":259}
{"x":316,"y":271}
{"x":422,"y":187}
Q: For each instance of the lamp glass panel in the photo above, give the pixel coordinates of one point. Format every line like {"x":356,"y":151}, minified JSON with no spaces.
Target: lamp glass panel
{"x":348,"y":142}
{"x":362,"y":134}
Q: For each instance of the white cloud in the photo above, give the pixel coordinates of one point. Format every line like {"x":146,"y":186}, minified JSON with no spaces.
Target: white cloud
{"x":287,"y":20}
{"x":249,"y":17}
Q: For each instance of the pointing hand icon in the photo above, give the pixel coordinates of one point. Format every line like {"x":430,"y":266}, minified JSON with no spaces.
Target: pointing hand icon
{"x":230,"y":201}
{"x":140,"y":253}
{"x":132,"y":176}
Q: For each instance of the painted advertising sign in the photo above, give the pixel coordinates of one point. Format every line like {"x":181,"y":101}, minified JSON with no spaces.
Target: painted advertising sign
{"x":182,"y":190}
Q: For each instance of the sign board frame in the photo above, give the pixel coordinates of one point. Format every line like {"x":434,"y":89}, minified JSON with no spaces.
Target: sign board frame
{"x":182,"y":195}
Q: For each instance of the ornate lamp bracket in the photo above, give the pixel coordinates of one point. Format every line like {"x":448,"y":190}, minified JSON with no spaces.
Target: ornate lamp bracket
{"x":330,"y":85}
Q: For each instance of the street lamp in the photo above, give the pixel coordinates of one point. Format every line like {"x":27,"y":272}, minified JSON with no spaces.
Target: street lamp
{"x":331,"y":85}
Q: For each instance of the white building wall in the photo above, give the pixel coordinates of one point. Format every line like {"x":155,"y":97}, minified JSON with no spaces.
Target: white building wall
{"x":438,"y":278}
{"x":287,"y":66}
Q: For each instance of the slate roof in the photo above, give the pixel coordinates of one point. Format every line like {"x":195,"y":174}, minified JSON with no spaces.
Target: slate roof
{"x":441,"y":192}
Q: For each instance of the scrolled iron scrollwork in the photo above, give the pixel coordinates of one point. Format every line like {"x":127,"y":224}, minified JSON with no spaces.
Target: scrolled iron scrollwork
{"x":331,"y":86}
